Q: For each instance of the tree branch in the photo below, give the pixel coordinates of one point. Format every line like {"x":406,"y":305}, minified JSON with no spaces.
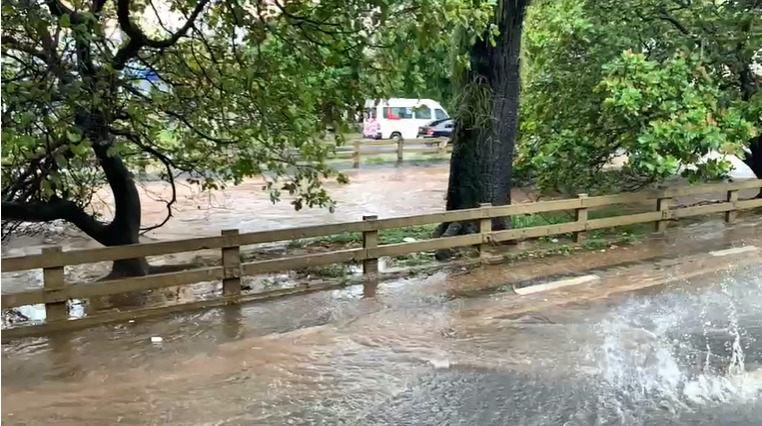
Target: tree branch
{"x":57,"y":8}
{"x":138,"y":39}
{"x":666,"y":15}
{"x":56,"y":209}
{"x":168,"y":164}
{"x":28,"y":49}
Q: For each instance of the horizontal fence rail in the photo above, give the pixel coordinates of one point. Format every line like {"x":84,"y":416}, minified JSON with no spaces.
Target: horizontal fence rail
{"x":370,"y":148}
{"x":56,"y":292}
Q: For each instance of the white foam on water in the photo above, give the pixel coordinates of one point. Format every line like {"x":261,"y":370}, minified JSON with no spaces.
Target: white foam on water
{"x":554,"y":285}
{"x":645,"y":347}
{"x":734,"y":250}
{"x":440,"y":364}
{"x":36,"y":313}
{"x":745,"y":386}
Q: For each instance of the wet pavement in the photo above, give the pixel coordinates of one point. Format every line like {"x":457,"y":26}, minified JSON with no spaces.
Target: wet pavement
{"x":672,"y":341}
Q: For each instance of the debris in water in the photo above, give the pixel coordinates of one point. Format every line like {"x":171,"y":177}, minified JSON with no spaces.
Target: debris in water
{"x":554,"y":240}
{"x":409,"y":240}
{"x":440,"y":364}
{"x":156,"y":339}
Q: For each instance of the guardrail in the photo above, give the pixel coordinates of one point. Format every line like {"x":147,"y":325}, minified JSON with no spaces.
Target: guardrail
{"x":56,"y":292}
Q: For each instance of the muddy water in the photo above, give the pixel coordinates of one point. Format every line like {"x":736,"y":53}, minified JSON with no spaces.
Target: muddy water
{"x":386,"y":192}
{"x":436,"y":350}
{"x":432,"y":351}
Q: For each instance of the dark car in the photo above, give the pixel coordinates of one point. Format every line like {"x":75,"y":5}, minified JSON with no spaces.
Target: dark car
{"x":437,"y":129}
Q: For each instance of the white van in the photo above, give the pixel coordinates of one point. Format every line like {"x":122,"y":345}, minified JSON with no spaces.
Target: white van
{"x":399,"y":118}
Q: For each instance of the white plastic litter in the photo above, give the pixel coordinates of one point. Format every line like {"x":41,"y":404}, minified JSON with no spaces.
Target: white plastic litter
{"x":440,"y":364}
{"x":156,"y":339}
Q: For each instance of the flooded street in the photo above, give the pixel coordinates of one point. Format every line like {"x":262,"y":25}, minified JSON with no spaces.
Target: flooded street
{"x":386,"y":192}
{"x":666,"y":334}
{"x":672,"y":341}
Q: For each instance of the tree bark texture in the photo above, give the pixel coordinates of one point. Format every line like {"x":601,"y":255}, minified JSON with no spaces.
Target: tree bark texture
{"x":754,"y":158}
{"x":481,"y":165}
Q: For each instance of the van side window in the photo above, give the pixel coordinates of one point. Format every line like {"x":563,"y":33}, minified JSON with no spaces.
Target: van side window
{"x":397,"y":113}
{"x":423,"y":113}
{"x":440,"y":114}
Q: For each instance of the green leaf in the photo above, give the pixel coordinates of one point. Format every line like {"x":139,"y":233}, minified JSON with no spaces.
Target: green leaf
{"x":65,"y":21}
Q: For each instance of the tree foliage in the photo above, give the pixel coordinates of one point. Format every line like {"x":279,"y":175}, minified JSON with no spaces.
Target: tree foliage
{"x":667,"y":81}
{"x":236,"y":89}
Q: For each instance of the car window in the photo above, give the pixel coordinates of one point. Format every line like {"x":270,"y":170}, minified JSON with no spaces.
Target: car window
{"x":398,"y":113}
{"x":440,"y":114}
{"x":423,"y":113}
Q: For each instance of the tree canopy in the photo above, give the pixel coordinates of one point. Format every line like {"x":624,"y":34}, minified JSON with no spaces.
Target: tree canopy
{"x":666,"y":81}
{"x":218,"y":91}
{"x":222,"y":90}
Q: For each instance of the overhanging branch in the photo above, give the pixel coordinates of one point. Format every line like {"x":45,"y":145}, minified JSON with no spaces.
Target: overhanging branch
{"x":138,"y":39}
{"x":56,"y":209}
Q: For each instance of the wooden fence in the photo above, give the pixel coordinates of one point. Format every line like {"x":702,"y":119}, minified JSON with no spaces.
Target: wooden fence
{"x":56,"y":292}
{"x":360,"y":148}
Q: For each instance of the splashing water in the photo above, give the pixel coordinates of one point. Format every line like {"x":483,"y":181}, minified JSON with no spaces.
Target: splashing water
{"x":685,"y":349}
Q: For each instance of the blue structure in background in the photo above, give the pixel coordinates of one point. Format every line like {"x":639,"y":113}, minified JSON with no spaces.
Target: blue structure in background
{"x":145,"y":79}
{"x":142,"y":74}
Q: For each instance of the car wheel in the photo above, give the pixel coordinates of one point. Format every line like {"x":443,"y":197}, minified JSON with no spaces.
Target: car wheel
{"x":396,"y":136}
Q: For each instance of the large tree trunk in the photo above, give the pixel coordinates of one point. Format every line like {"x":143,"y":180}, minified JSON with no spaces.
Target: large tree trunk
{"x":481,"y":165}
{"x":122,"y":230}
{"x":754,"y":158}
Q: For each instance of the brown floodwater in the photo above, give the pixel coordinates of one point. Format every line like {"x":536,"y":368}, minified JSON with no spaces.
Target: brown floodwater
{"x":450,"y":348}
{"x":385,"y":192}
{"x":445,"y":349}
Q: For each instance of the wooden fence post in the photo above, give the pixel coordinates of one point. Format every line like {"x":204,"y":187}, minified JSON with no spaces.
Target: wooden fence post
{"x":485,"y":228}
{"x":400,"y":149}
{"x":442,"y":147}
{"x":730,"y":215}
{"x":370,"y":240}
{"x":581,"y":217}
{"x":53,"y":279}
{"x":231,"y":264}
{"x":662,"y":205}
{"x":356,"y":155}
